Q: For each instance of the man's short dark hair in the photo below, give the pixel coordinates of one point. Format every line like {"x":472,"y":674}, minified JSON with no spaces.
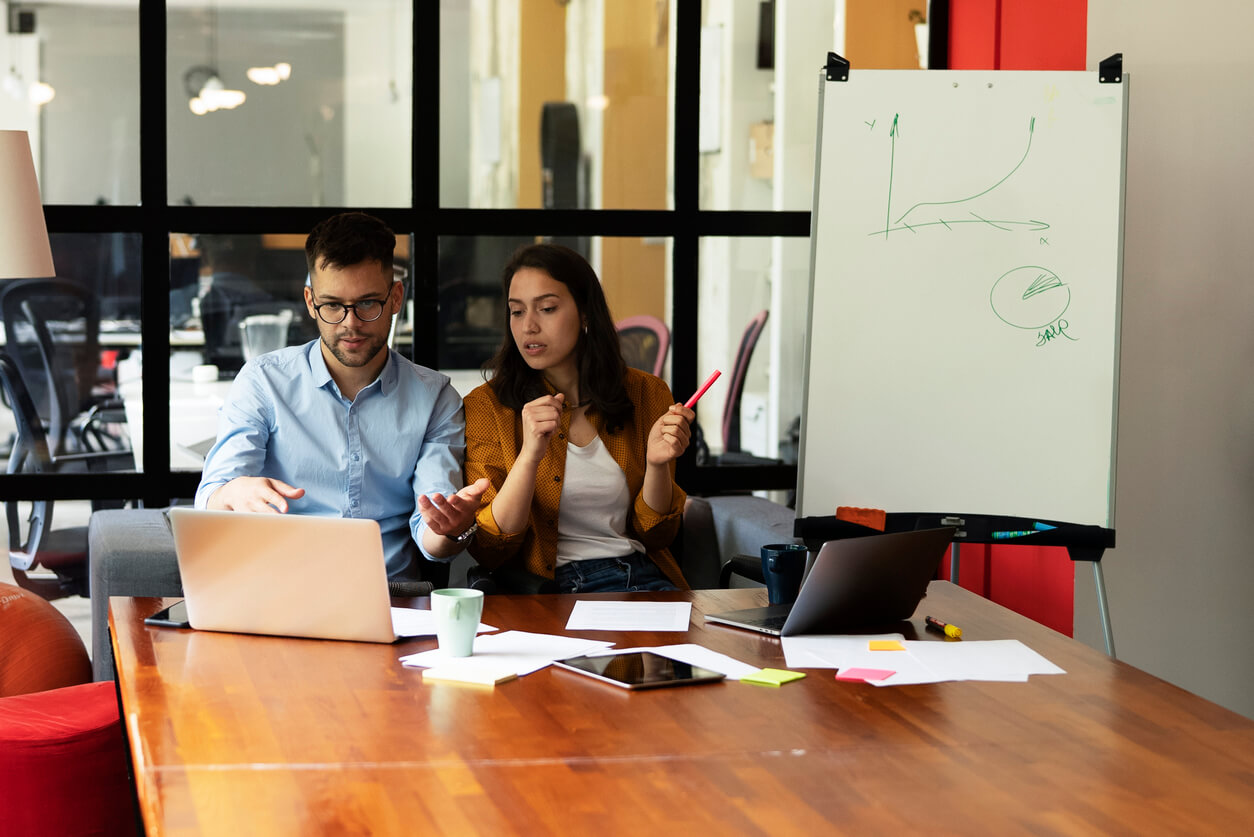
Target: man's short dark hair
{"x":347,"y":239}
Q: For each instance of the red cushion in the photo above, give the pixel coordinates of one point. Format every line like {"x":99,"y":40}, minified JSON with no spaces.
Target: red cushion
{"x":63,"y":767}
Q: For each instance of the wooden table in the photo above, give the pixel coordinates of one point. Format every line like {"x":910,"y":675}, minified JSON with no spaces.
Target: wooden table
{"x":239,"y":735}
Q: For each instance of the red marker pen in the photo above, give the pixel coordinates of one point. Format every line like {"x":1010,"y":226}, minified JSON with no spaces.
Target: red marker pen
{"x":692,"y":402}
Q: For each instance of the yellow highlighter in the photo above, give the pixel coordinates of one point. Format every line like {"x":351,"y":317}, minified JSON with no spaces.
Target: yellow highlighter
{"x":944,"y":627}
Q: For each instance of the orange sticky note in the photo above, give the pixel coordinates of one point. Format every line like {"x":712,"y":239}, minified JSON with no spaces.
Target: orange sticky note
{"x":885,"y":645}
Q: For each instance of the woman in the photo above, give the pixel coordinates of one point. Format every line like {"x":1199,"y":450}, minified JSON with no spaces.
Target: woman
{"x":580,"y":449}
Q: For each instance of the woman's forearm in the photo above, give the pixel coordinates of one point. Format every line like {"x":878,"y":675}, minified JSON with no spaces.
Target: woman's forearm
{"x":511,"y":508}
{"x":657,"y":487}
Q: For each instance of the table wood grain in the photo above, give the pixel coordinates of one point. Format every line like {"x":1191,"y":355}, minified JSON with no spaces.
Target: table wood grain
{"x":234,"y":735}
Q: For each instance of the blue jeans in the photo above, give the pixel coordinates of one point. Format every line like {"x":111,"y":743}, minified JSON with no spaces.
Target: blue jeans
{"x":629,"y":574}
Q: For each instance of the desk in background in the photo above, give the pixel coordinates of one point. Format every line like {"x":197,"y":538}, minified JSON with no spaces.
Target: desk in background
{"x":193,"y":409}
{"x":235,"y":734}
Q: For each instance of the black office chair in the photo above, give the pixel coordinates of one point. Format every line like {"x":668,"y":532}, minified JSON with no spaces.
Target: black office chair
{"x":52,"y":334}
{"x":508,"y":579}
{"x":421,"y":576}
{"x":60,"y":553}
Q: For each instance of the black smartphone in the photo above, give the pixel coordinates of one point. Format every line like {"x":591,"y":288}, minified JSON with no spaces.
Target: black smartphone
{"x":174,"y":616}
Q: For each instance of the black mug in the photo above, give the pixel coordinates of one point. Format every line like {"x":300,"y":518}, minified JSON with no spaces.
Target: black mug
{"x":782,"y":567}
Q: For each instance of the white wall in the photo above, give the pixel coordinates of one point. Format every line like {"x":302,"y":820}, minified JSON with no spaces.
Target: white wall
{"x":1181,"y":582}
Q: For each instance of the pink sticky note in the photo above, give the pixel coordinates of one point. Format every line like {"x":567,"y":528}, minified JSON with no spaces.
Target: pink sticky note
{"x":864,"y":674}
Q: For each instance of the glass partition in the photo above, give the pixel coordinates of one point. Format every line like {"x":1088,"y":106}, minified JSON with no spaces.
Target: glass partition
{"x":753,"y":323}
{"x":71,"y":80}
{"x":556,"y":105}
{"x":282,"y":104}
{"x":759,"y":94}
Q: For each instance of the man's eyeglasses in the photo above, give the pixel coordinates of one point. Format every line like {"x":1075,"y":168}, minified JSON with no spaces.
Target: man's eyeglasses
{"x":334,"y":313}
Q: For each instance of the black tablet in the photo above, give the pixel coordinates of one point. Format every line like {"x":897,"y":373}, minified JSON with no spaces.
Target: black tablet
{"x":639,"y":670}
{"x":174,"y":616}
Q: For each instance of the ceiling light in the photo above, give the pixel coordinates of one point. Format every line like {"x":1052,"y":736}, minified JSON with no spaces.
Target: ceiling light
{"x":207,"y":92}
{"x":269,"y":76}
{"x":41,"y":93}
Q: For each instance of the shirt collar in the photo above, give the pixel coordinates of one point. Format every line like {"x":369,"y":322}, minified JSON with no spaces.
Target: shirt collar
{"x":321,"y":376}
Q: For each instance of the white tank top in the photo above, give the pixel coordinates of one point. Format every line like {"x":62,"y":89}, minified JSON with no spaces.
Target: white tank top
{"x":592,"y":518}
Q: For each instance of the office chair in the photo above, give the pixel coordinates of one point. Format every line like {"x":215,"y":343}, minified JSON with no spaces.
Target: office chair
{"x":61,"y":553}
{"x":52,"y":332}
{"x":561,"y":152}
{"x":228,"y":301}
{"x":645,"y":341}
{"x":420,"y":577}
{"x":507,"y":579}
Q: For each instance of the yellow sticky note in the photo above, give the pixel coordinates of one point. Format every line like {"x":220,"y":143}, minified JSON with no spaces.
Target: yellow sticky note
{"x":772,"y":677}
{"x":885,"y":645}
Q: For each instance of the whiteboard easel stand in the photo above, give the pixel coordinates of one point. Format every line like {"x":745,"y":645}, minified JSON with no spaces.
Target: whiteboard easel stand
{"x":1083,"y":143}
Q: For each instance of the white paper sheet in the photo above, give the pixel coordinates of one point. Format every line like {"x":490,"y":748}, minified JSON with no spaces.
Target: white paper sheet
{"x":1006,"y":660}
{"x":410,"y":621}
{"x":629,"y":616}
{"x":837,"y":651}
{"x":519,"y":651}
{"x":693,"y":655}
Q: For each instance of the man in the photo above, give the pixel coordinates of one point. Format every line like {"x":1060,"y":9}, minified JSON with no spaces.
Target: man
{"x":343,"y":426}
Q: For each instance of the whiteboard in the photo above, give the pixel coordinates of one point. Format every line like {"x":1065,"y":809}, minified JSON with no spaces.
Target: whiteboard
{"x":966,"y":261}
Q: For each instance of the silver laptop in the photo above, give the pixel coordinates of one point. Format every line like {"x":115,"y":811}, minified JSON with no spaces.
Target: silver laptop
{"x":855,"y":583}
{"x":283,"y":574}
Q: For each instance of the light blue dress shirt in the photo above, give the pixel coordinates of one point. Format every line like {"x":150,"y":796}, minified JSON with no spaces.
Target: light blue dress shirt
{"x":404,"y":435}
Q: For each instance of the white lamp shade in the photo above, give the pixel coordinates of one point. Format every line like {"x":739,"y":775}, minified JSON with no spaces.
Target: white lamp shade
{"x":24,"y":249}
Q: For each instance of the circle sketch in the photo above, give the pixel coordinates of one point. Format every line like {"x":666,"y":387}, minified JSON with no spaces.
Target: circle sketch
{"x":1029,"y":297}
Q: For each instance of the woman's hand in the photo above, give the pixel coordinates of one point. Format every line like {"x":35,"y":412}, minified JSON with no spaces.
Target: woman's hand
{"x":670,"y":434}
{"x":540,"y":420}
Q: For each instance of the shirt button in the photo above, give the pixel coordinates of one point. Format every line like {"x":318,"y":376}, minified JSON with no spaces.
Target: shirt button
{"x":557,"y":478}
{"x":561,"y":435}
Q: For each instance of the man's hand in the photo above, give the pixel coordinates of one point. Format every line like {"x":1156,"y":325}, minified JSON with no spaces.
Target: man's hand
{"x":452,"y":515}
{"x":254,"y":494}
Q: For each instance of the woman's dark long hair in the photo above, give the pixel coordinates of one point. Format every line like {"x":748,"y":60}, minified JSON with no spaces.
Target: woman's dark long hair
{"x":598,"y":356}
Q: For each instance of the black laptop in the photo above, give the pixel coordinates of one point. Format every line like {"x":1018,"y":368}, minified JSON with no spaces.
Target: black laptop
{"x":855,"y":583}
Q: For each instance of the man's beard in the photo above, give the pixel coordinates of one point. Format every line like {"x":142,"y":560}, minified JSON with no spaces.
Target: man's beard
{"x":368,"y":353}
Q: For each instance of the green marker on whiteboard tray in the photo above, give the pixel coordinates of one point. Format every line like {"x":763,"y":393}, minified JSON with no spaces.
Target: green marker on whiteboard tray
{"x":1019,"y":533}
